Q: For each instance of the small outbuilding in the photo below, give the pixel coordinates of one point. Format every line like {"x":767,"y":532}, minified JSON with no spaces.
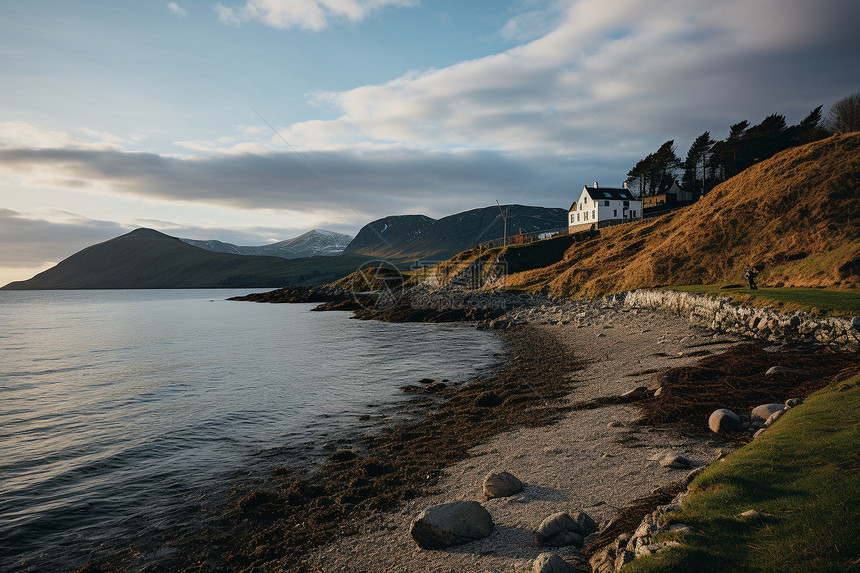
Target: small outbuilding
{"x":601,"y":207}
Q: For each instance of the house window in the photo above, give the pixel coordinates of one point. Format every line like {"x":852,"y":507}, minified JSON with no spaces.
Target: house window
{"x":585,"y":216}
{"x":615,"y":213}
{"x":606,"y":203}
{"x":571,"y":218}
{"x":593,"y":215}
{"x":627,"y":203}
{"x":634,"y":213}
{"x":577,"y":217}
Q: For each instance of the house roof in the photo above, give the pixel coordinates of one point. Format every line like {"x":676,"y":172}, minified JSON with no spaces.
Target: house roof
{"x":610,"y":193}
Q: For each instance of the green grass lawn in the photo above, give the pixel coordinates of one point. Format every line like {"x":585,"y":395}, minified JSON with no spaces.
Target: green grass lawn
{"x":802,"y":474}
{"x":830,"y":302}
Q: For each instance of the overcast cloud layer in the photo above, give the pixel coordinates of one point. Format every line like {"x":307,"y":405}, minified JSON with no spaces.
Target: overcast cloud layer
{"x":598,"y":86}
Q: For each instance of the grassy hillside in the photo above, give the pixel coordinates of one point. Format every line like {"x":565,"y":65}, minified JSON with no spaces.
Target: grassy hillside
{"x":148,"y":259}
{"x":794,"y":215}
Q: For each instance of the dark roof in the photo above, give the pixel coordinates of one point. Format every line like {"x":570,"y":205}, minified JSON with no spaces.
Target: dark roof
{"x":610,"y":193}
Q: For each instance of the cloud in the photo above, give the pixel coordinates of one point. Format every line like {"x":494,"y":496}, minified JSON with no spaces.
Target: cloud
{"x":306,"y":14}
{"x":611,"y":75}
{"x":177,"y":10}
{"x":347,"y":186}
{"x":31,"y":242}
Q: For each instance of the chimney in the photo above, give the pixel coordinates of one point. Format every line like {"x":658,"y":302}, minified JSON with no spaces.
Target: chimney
{"x":625,"y":184}
{"x":595,"y":184}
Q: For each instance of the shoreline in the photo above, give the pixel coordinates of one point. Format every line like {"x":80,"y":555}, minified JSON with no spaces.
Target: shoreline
{"x":602,"y":455}
{"x":275,"y":528}
{"x":354,"y":514}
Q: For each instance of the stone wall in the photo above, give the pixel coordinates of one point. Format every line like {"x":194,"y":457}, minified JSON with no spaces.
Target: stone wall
{"x":720,"y":315}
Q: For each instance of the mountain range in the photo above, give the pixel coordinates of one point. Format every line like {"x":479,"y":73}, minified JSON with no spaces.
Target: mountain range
{"x":315,"y":243}
{"x":145,"y":258}
{"x":410,"y":237}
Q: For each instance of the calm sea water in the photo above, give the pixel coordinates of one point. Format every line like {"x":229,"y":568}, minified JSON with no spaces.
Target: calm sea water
{"x":122,"y":410}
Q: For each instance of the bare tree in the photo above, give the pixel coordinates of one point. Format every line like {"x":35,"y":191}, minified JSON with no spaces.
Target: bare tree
{"x":845,"y":115}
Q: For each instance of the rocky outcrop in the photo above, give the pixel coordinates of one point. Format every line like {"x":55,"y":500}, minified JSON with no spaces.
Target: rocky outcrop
{"x":720,"y":315}
{"x":627,"y":547}
{"x":450,"y":524}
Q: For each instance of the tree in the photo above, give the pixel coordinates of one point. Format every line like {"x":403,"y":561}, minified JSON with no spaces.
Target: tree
{"x":764,"y":140}
{"x":638,"y":176}
{"x":665,"y":168}
{"x":697,"y":155}
{"x":810,"y":129}
{"x":656,"y":173}
{"x":845,"y":115}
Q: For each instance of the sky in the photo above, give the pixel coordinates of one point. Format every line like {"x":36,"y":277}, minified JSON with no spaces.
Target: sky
{"x":252,"y":121}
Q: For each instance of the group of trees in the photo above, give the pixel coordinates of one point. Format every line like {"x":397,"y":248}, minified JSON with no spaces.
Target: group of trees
{"x":710,"y":162}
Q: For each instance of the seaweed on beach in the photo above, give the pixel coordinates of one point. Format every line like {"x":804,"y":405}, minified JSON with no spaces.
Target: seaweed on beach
{"x":275,"y":529}
{"x":737,"y":379}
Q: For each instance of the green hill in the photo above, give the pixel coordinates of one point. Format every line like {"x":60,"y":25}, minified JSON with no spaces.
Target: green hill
{"x":145,"y":258}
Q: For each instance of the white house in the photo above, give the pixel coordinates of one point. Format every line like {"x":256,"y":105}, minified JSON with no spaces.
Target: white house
{"x":601,"y":207}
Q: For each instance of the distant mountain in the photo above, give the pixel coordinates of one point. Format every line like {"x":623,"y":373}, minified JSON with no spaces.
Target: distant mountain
{"x":316,"y":243}
{"x":145,"y":258}
{"x":417,"y":236}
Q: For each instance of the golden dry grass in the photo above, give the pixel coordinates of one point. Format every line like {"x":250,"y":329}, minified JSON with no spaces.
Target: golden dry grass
{"x":794,"y":215}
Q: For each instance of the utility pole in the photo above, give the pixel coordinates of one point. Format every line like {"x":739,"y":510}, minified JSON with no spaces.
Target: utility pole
{"x":505,"y":219}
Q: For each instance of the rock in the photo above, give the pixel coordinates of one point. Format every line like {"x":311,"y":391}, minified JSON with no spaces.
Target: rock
{"x":502,"y":484}
{"x":675,"y":461}
{"x":763,"y":412}
{"x":774,"y":417}
{"x":793,"y":402}
{"x":551,"y":563}
{"x":343,"y":456}
{"x":558,"y":530}
{"x":623,"y":558}
{"x":450,"y":524}
{"x":750,"y":514}
{"x":776,"y":369}
{"x":587,"y":526}
{"x":615,"y":424}
{"x":436,"y":387}
{"x":855,"y":323}
{"x":723,"y":420}
{"x":657,"y":381}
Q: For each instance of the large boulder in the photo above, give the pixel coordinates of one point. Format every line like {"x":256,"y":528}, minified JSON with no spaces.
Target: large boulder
{"x":723,"y":420}
{"x":501,"y":484}
{"x":587,"y":526}
{"x":760,"y":414}
{"x":551,"y":563}
{"x":558,"y":530}
{"x":450,"y":524}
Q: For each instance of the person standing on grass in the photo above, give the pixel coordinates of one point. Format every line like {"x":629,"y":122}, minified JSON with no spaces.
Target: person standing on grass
{"x":750,"y":274}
